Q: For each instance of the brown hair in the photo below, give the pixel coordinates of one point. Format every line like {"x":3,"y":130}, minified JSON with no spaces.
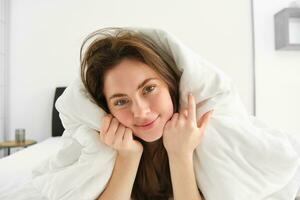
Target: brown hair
{"x":105,"y":52}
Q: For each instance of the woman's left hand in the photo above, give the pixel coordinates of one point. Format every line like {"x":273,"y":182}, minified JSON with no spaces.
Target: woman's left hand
{"x":182,"y":134}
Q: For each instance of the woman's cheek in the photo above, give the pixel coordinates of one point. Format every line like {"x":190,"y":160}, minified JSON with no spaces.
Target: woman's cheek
{"x":166,"y":105}
{"x":123,"y":117}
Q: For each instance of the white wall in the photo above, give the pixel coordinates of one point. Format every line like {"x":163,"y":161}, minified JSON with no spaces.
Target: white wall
{"x":277,"y":72}
{"x":3,"y":66}
{"x":45,"y":37}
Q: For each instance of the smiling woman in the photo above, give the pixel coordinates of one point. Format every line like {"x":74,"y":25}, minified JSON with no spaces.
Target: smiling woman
{"x":131,"y":78}
{"x":146,"y":99}
{"x":143,"y":147}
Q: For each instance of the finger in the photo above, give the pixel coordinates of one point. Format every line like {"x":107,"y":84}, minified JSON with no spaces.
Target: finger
{"x":106,"y":120}
{"x":181,"y":116}
{"x":128,"y":134}
{"x":175,"y":117}
{"x":181,"y":110}
{"x":191,"y":108}
{"x":204,"y":120}
{"x":119,"y":134}
{"x":105,"y":123}
{"x":185,"y":113}
{"x":110,"y":134}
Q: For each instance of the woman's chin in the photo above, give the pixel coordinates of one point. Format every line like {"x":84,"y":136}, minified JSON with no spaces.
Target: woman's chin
{"x":153,"y":133}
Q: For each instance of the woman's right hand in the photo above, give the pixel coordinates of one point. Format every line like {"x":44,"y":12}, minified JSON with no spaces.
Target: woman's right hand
{"x":119,"y":137}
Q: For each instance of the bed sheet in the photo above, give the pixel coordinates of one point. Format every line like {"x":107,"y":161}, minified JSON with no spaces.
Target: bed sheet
{"x":16,"y":169}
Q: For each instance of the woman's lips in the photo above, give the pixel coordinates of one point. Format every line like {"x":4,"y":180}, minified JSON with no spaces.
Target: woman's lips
{"x":149,"y":125}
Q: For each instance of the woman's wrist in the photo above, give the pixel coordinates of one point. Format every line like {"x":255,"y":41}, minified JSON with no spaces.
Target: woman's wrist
{"x":183,"y":156}
{"x":131,"y":153}
{"x":182,"y":165}
{"x":121,"y":182}
{"x":130,"y":156}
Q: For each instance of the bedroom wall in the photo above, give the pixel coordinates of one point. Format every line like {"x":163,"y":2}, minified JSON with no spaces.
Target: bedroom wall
{"x":45,"y":37}
{"x":277,"y":72}
{"x":3,"y":66}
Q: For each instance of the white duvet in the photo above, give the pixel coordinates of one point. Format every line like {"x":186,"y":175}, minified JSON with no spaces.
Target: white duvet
{"x":16,"y":169}
{"x":239,"y":158}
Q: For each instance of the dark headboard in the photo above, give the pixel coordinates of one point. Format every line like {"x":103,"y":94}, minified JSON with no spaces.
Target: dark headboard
{"x":57,"y":127}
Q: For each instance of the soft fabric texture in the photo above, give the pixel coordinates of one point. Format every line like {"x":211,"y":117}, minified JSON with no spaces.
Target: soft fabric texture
{"x":16,"y":169}
{"x":239,"y":158}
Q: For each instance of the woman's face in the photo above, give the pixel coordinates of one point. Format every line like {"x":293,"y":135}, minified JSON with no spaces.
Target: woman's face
{"x":138,"y":98}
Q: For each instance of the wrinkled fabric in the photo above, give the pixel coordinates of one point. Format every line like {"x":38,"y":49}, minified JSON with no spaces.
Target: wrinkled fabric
{"x":239,"y":158}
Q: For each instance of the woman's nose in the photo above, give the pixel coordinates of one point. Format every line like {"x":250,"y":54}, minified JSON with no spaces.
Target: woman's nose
{"x":140,"y":108}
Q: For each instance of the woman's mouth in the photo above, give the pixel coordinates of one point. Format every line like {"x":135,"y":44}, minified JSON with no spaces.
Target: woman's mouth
{"x":148,"y":125}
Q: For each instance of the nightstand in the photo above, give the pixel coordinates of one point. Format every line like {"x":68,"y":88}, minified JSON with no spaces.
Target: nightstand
{"x":13,"y":144}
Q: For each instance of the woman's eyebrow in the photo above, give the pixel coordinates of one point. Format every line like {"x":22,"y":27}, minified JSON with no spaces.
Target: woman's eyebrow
{"x":140,"y":86}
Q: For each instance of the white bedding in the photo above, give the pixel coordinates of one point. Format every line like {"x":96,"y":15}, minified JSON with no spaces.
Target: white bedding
{"x":16,"y":169}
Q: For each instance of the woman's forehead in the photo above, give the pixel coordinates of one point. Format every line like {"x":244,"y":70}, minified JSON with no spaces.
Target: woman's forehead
{"x":128,"y":75}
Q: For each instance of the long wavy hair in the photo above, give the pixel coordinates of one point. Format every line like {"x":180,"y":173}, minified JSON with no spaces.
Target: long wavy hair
{"x":108,"y":48}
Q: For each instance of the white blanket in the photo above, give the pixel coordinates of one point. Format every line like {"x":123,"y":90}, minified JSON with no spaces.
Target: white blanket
{"x":16,"y":169}
{"x":239,"y":158}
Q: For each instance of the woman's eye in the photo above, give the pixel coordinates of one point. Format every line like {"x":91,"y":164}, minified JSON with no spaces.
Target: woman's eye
{"x":120,"y":102}
{"x":149,"y":89}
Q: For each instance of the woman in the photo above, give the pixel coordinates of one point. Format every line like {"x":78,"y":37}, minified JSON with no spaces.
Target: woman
{"x":136,"y":82}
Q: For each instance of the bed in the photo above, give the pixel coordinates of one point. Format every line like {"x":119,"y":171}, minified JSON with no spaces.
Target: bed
{"x":16,"y":169}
